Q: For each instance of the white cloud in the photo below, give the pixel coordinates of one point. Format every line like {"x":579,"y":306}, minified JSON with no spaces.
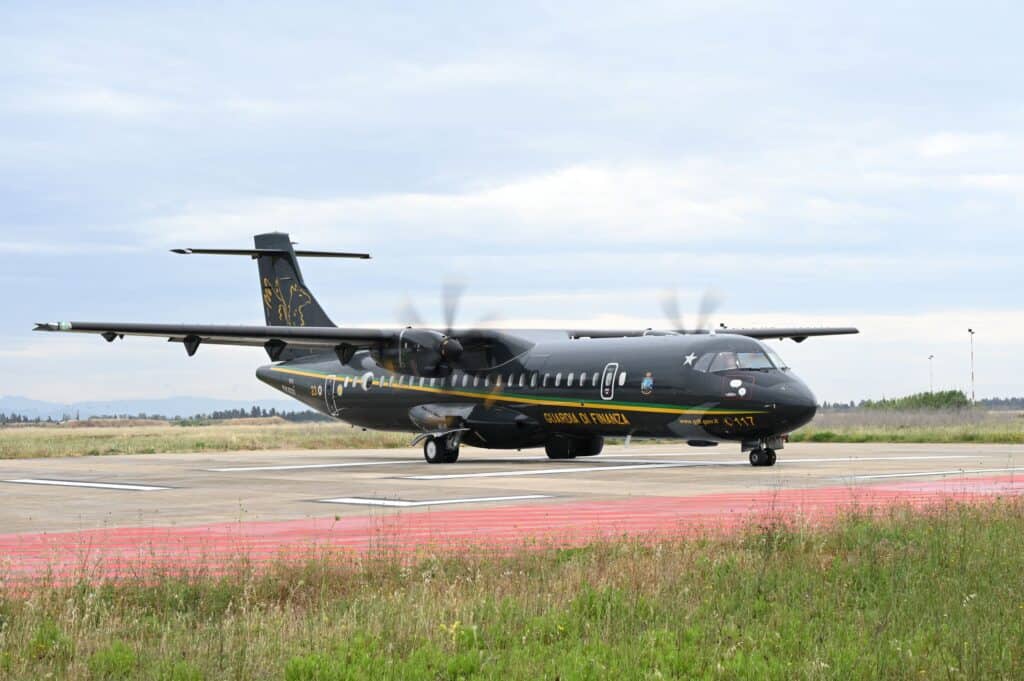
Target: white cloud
{"x":93,"y":101}
{"x":955,"y":144}
{"x":1000,"y":182}
{"x":591,"y":202}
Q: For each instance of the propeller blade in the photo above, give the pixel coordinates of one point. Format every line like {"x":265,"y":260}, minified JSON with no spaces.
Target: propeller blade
{"x":408,"y":315}
{"x":451,"y":296}
{"x":709,"y":303}
{"x":670,"y":306}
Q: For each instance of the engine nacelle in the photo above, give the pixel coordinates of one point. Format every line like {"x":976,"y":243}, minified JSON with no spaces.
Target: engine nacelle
{"x":421,"y":352}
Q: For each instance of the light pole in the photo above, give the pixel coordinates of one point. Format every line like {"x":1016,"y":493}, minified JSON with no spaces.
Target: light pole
{"x":971,"y":331}
{"x":931,"y":375}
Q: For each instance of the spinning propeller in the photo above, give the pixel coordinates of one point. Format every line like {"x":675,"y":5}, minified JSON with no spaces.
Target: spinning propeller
{"x":709,"y":303}
{"x":428,"y":350}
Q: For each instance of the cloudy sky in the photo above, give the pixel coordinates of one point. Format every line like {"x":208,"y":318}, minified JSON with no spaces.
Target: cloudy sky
{"x":812,"y":162}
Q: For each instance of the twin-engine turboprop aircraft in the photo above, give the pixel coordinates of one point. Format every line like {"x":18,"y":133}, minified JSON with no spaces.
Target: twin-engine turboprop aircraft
{"x":502,"y":389}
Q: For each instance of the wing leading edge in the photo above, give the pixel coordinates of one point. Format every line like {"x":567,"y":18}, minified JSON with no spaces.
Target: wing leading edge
{"x":798,"y":334}
{"x":275,"y":339}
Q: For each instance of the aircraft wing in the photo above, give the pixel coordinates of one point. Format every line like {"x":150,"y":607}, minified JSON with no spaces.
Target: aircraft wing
{"x":798,"y":334}
{"x":344,"y":341}
{"x":192,"y":335}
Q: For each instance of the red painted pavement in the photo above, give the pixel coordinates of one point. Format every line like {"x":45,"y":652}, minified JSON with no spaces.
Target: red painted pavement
{"x":137,"y":551}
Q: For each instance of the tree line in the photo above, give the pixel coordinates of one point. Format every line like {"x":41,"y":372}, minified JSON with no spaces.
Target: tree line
{"x":942,"y":399}
{"x":219,"y":415}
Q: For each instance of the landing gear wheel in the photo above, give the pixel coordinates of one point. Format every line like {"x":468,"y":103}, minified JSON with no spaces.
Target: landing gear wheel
{"x":433,"y":452}
{"x":762,"y":457}
{"x":559,"y":448}
{"x":451,"y":450}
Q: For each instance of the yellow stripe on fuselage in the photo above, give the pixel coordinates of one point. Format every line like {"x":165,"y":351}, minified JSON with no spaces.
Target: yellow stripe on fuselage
{"x":517,"y":399}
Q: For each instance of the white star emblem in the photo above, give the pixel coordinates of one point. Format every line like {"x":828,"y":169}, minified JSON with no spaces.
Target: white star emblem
{"x":689,"y":359}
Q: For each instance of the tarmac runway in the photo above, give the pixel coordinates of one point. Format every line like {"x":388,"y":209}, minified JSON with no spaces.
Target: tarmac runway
{"x":112,"y":513}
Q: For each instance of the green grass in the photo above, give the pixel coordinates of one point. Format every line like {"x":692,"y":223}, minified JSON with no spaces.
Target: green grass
{"x":910,"y":595}
{"x":910,"y":435}
{"x":872,"y":425}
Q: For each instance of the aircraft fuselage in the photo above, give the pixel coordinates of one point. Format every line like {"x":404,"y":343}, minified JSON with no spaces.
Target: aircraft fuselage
{"x":648,"y":386}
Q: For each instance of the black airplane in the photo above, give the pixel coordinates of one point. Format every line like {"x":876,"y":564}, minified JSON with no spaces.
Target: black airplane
{"x":501,"y":389}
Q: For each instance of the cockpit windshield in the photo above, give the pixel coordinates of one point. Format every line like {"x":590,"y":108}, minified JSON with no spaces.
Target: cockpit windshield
{"x":715,"y":362}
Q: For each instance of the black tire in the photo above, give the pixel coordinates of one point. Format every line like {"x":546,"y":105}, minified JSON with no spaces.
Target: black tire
{"x":451,"y":452}
{"x":591,"y":447}
{"x":433,"y":450}
{"x":771,"y":458}
{"x":559,"y":448}
{"x":757,"y":458}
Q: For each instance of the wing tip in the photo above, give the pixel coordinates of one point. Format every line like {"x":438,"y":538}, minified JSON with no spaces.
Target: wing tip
{"x":52,"y":326}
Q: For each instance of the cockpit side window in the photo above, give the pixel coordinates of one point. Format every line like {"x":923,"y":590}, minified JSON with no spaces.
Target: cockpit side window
{"x":776,"y":360}
{"x":704,"y":362}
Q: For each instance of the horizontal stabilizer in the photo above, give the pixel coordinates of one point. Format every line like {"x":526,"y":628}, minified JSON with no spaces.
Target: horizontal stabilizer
{"x":257,"y":252}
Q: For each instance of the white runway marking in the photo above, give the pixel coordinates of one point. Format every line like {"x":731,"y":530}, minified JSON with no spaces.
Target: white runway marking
{"x":640,"y":464}
{"x":306,"y":466}
{"x":931,"y":473}
{"x":851,"y":459}
{"x":546,"y":471}
{"x":399,"y":503}
{"x":97,"y":485}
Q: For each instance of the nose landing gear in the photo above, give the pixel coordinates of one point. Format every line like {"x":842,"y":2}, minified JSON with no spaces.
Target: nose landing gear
{"x":762,"y":452}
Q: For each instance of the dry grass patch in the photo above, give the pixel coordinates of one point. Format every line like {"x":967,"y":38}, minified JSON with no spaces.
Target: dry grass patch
{"x":26,"y":442}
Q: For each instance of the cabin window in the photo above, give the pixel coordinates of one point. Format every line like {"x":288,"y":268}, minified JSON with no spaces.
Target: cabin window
{"x":622,"y":379}
{"x":433,"y":382}
{"x":594,"y":379}
{"x":583,"y":380}
{"x":569,"y":381}
{"x":533,"y":380}
{"x":401,"y":380}
{"x":522,"y":380}
{"x":476,"y":381}
{"x":558,"y":379}
{"x":465,"y":380}
{"x":391,"y":381}
{"x":421,"y":381}
{"x":544,"y":383}
{"x":487,"y":381}
{"x":497,"y":381}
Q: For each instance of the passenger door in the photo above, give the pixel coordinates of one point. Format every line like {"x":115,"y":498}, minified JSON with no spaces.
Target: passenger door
{"x":611,"y":371}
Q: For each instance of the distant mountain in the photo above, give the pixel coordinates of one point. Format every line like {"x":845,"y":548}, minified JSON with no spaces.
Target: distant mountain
{"x":168,"y":406}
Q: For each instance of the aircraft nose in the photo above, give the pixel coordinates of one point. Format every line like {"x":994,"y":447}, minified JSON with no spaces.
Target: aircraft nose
{"x":796,"y":405}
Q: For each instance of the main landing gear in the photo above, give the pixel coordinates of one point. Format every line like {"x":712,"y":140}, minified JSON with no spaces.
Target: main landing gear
{"x":762,"y":457}
{"x":444,"y":449}
{"x":570,"y":448}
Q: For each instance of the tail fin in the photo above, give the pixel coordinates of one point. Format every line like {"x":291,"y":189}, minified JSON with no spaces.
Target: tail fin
{"x":286,"y":299}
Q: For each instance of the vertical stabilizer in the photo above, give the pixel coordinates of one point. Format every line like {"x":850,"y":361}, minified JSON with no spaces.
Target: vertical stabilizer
{"x":286,"y":299}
